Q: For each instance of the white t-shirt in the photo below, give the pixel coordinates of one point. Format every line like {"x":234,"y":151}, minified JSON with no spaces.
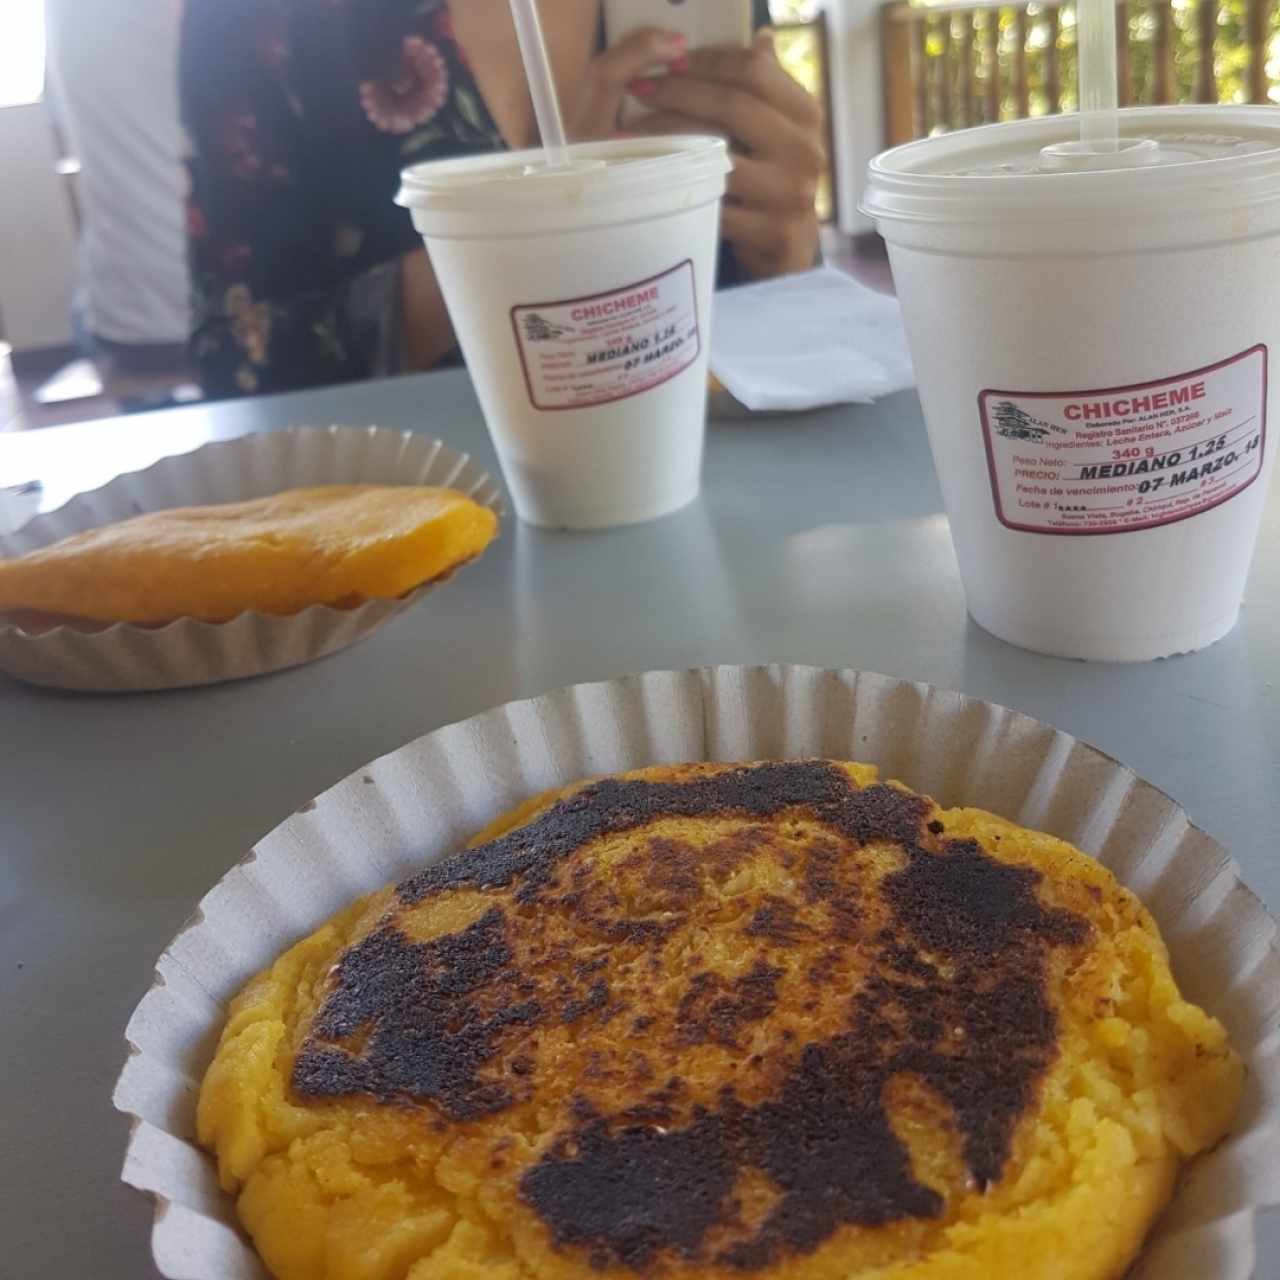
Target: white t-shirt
{"x":114,"y":69}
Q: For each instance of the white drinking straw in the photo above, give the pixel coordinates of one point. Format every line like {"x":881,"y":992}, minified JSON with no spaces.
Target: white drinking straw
{"x":1096,"y":36}
{"x":537,"y":69}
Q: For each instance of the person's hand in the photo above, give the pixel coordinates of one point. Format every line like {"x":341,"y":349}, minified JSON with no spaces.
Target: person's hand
{"x":593,"y":108}
{"x":775,"y":128}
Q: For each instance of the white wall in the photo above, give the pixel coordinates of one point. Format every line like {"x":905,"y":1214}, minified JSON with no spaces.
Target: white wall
{"x":853,"y":34}
{"x":37,"y":234}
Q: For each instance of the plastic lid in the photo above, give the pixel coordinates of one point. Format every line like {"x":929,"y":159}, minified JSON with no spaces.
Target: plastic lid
{"x":605,"y":171}
{"x":1170,"y":159}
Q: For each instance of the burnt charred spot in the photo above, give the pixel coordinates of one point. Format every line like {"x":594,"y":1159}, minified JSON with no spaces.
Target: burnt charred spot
{"x":908,"y":961}
{"x":640,"y":931}
{"x":716,"y":1008}
{"x":597,"y":1067}
{"x":846,"y":916}
{"x":777,"y":920}
{"x":650,"y":1112}
{"x":722,"y":857}
{"x":822,"y":886}
{"x":936,"y":828}
{"x":824,"y":1140}
{"x":821,"y":861}
{"x":569,"y":903}
{"x":635,"y":1193}
{"x":963,"y":902}
{"x":528,"y":856}
{"x":670,"y":868}
{"x":596,"y":998}
{"x":822,"y":970}
{"x":584,"y":968}
{"x":424,"y":1034}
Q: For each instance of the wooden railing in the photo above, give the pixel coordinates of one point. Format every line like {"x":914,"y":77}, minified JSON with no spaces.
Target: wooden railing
{"x":967,"y":62}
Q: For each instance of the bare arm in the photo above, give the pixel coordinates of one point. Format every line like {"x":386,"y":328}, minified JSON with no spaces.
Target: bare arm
{"x":425,"y":323}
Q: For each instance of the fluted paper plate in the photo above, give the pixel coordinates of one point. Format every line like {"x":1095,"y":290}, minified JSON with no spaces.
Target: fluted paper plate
{"x":129,"y":658}
{"x":424,"y":801}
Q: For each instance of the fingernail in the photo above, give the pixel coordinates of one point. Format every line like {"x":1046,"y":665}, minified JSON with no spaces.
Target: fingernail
{"x":642,"y":88}
{"x":679,"y":64}
{"x":679,"y":42}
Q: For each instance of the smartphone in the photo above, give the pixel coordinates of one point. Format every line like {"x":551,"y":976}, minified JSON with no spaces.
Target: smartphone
{"x":701,"y":22}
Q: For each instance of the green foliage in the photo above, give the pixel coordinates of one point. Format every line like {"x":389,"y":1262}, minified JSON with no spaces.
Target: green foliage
{"x":945,"y":73}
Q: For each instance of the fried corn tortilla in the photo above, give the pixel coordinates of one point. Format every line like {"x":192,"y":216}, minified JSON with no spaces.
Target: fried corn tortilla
{"x":721,"y":1021}
{"x":334,"y":544}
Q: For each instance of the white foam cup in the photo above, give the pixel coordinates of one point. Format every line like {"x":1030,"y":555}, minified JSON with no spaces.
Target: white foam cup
{"x":1092,"y":336}
{"x":581,"y":297}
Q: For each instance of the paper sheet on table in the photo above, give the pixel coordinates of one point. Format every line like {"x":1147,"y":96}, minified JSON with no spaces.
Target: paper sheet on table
{"x":805,"y":340}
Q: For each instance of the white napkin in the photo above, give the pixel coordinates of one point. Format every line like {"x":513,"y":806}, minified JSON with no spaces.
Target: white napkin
{"x":810,"y":339}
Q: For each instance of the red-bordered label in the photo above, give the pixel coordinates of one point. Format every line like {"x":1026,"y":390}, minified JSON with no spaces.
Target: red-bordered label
{"x":1120,"y":459}
{"x":580,"y":352}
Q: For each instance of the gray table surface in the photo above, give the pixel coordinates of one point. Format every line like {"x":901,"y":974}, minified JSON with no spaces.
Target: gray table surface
{"x":819,"y":539}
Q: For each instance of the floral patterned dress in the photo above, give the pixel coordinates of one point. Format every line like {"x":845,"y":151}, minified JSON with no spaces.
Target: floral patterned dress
{"x":302,"y":114}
